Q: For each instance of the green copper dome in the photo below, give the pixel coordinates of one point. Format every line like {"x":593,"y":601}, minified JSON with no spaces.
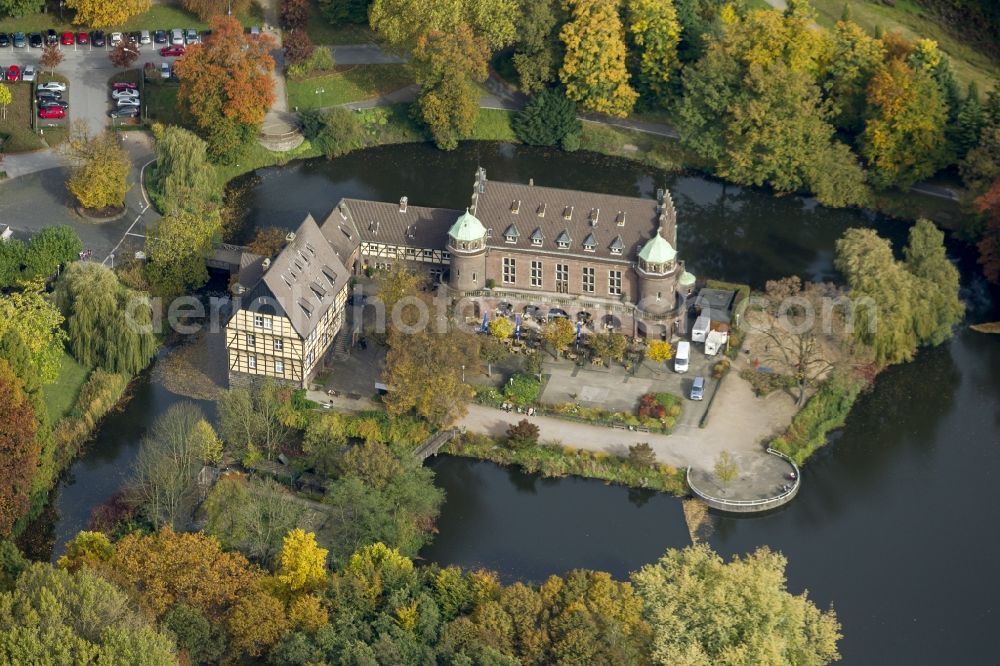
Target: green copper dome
{"x":657,"y":251}
{"x":467,"y":228}
{"x":687,"y":279}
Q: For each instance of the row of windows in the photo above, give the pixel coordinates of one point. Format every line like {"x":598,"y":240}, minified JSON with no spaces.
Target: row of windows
{"x":277,"y":344}
{"x":588,"y":277}
{"x":279,"y":366}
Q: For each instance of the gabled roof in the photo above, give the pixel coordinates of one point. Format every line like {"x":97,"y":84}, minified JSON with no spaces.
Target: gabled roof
{"x":512,"y":232}
{"x":381,"y":222}
{"x":537,"y":235}
{"x":590,"y":241}
{"x":563,"y":238}
{"x":617,"y":245}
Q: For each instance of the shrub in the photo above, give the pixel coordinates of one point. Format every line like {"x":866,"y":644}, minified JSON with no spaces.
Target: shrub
{"x":765,"y":383}
{"x":825,"y":411}
{"x":650,"y":407}
{"x":522,"y":435}
{"x":487,"y":395}
{"x":320,"y":60}
{"x":522,"y":389}
{"x":547,"y":120}
{"x":297,"y":46}
{"x":641,"y":455}
{"x":294,"y":14}
{"x":97,"y":397}
{"x":335,"y":132}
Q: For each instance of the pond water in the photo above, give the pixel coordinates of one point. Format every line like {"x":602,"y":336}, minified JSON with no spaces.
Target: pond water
{"x":895,"y":524}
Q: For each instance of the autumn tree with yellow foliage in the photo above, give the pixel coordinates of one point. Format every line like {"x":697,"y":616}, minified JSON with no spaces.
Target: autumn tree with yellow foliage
{"x":656,"y":34}
{"x":106,"y":13}
{"x":301,"y":564}
{"x":593,"y":70}
{"x":98,"y":168}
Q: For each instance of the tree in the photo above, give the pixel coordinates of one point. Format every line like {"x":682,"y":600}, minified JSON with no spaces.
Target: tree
{"x":5,"y":98}
{"x":492,"y":350}
{"x":548,"y":118}
{"x":334,"y":131}
{"x":295,"y":14}
{"x":659,"y":351}
{"x":86,"y":549}
{"x":301,"y":564}
{"x":448,"y":67}
{"x":704,"y":611}
{"x":19,"y":8}
{"x":559,"y":334}
{"x":641,"y":455}
{"x":206,"y":9}
{"x":183,"y":179}
{"x":502,"y":328}
{"x":981,"y":165}
{"x":252,"y":418}
{"x":52,"y":56}
{"x":969,"y":122}
{"x":104,"y":14}
{"x":535,"y":56}
{"x":99,"y":168}
{"x":202,"y":642}
{"x":251,"y":515}
{"x":50,"y":250}
{"x":593,"y":69}
{"x":108,"y":325}
{"x":609,"y":344}
{"x":124,"y":54}
{"x":937,"y":306}
{"x":904,"y":137}
{"x":226,"y":86}
{"x":268,"y":241}
{"x":176,"y":249}
{"x":165,"y":473}
{"x":36,"y":322}
{"x":522,"y":435}
{"x":423,"y":371}
{"x":373,"y":462}
{"x":655,"y":30}
{"x":725,"y":469}
{"x":256,"y":623}
{"x":18,"y":448}
{"x":57,"y":617}
{"x":403,"y":22}
{"x":297,"y":46}
{"x":850,"y":61}
{"x":394,"y":285}
{"x":989,"y":244}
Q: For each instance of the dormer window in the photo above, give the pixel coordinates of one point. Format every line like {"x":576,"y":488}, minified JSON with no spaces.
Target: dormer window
{"x":617,"y":246}
{"x":511,"y":234}
{"x":620,"y":218}
{"x":540,"y":211}
{"x":489,"y":232}
{"x":563,"y":240}
{"x":537,"y":237}
{"x":568,"y":213}
{"x":515,"y":206}
{"x":331,"y":277}
{"x":589,"y":243}
{"x":306,"y":307}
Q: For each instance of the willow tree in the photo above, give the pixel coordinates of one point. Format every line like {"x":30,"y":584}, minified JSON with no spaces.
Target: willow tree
{"x":938,"y":308}
{"x":109,"y":325}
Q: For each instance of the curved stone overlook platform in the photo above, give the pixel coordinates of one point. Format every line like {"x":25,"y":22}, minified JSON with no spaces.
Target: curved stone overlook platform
{"x":760,"y":485}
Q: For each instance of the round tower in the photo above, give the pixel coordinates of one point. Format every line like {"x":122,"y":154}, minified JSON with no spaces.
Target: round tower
{"x":467,"y":245}
{"x":657,"y":269}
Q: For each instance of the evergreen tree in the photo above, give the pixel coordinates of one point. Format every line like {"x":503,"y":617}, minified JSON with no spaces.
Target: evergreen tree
{"x":547,"y":119}
{"x":968,"y":123}
{"x":850,"y":61}
{"x":593,"y":70}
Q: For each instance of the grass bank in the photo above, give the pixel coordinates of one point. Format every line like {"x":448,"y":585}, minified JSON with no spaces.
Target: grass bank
{"x":556,"y":460}
{"x":825,"y":412}
{"x":61,"y":395}
{"x":352,"y":83}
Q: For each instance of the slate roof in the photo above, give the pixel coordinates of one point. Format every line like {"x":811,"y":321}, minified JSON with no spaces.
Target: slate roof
{"x":380,"y":222}
{"x":545,"y":209}
{"x":302,"y":281}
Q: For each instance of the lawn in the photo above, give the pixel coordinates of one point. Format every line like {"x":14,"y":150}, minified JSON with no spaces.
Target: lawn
{"x":161,"y":103}
{"x":493,"y":125}
{"x":321,"y":31}
{"x":159,"y":16}
{"x":60,"y":395}
{"x":353,"y":83}
{"x":15,"y":130}
{"x":909,"y":19}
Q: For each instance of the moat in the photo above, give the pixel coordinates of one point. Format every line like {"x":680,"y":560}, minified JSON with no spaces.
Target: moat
{"x":894,"y":521}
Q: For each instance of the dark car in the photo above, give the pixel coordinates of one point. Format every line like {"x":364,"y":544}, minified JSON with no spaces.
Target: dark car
{"x":47,"y":94}
{"x":160,"y":37}
{"x":53,"y":103}
{"x":51,"y":37}
{"x":4,"y":39}
{"x":125,"y":112}
{"x":35,"y":40}
{"x":97,"y":38}
{"x":134,"y":37}
{"x":18,"y":39}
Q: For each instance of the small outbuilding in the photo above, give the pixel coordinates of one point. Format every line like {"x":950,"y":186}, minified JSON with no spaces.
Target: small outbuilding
{"x":716,"y":304}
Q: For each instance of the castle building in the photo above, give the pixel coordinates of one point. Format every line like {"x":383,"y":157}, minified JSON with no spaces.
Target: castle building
{"x":521,"y":245}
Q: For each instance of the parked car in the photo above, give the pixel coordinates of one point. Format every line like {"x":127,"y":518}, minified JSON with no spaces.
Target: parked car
{"x":191,"y":36}
{"x":82,"y":38}
{"x":172,"y":51}
{"x":255,"y":31}
{"x":134,"y":37}
{"x":116,"y":38}
{"x":160,"y":37}
{"x":51,"y":36}
{"x":54,"y":86}
{"x":144,"y":37}
{"x":4,"y":39}
{"x":122,"y":94}
{"x":47,"y":94}
{"x":164,"y":70}
{"x":97,"y":38}
{"x":13,"y":73}
{"x":53,"y":103}
{"x":29,"y":73}
{"x":52,"y":112}
{"x":123,"y":85}
{"x":35,"y":40}
{"x":128,"y":101}
{"x":698,"y":388}
{"x":125,"y":112}
{"x":177,"y":37}
{"x":67,"y":39}
{"x":18,"y":39}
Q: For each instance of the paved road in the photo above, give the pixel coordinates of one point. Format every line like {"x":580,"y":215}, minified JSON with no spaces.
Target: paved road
{"x":364,"y":54}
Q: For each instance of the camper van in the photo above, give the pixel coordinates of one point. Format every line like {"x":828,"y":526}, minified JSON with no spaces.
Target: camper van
{"x":714,"y":341}
{"x":701,"y":328}
{"x":682,"y":356}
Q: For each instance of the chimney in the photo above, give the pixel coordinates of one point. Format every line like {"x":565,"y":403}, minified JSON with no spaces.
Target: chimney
{"x":343,"y":210}
{"x":402,"y":204}
{"x":594,"y":214}
{"x":290,"y":237}
{"x":265,"y":264}
{"x":239,"y":289}
{"x":531,"y":182}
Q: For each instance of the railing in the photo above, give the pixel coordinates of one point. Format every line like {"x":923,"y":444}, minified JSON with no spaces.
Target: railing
{"x":769,"y":502}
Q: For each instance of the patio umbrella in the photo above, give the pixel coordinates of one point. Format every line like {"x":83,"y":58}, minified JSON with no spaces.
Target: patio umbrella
{"x":517,"y":327}
{"x":486,"y":322}
{"x":579,"y":331}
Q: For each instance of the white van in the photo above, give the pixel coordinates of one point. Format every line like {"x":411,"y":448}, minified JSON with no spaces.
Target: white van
{"x":698,"y":388}
{"x":682,"y":356}
{"x":700,"y":329}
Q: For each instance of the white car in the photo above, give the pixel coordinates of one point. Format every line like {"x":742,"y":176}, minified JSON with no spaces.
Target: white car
{"x":191,"y":36}
{"x":29,"y":73}
{"x":124,"y":94}
{"x":116,"y":38}
{"x":128,"y":101}
{"x":164,"y":70}
{"x":144,"y":37}
{"x":54,"y":86}
{"x":177,"y":37}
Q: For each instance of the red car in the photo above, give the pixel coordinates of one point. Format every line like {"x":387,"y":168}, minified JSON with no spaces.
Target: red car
{"x":67,"y":39}
{"x":172,"y":51}
{"x":122,"y":85}
{"x":51,"y":112}
{"x":82,"y":38}
{"x":13,"y":73}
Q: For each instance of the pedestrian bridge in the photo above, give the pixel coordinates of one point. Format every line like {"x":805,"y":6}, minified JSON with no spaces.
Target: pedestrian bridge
{"x":226,"y":257}
{"x":433,"y":444}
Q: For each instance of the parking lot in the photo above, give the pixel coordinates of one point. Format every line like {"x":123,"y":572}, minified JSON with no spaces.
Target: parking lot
{"x":88,"y":70}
